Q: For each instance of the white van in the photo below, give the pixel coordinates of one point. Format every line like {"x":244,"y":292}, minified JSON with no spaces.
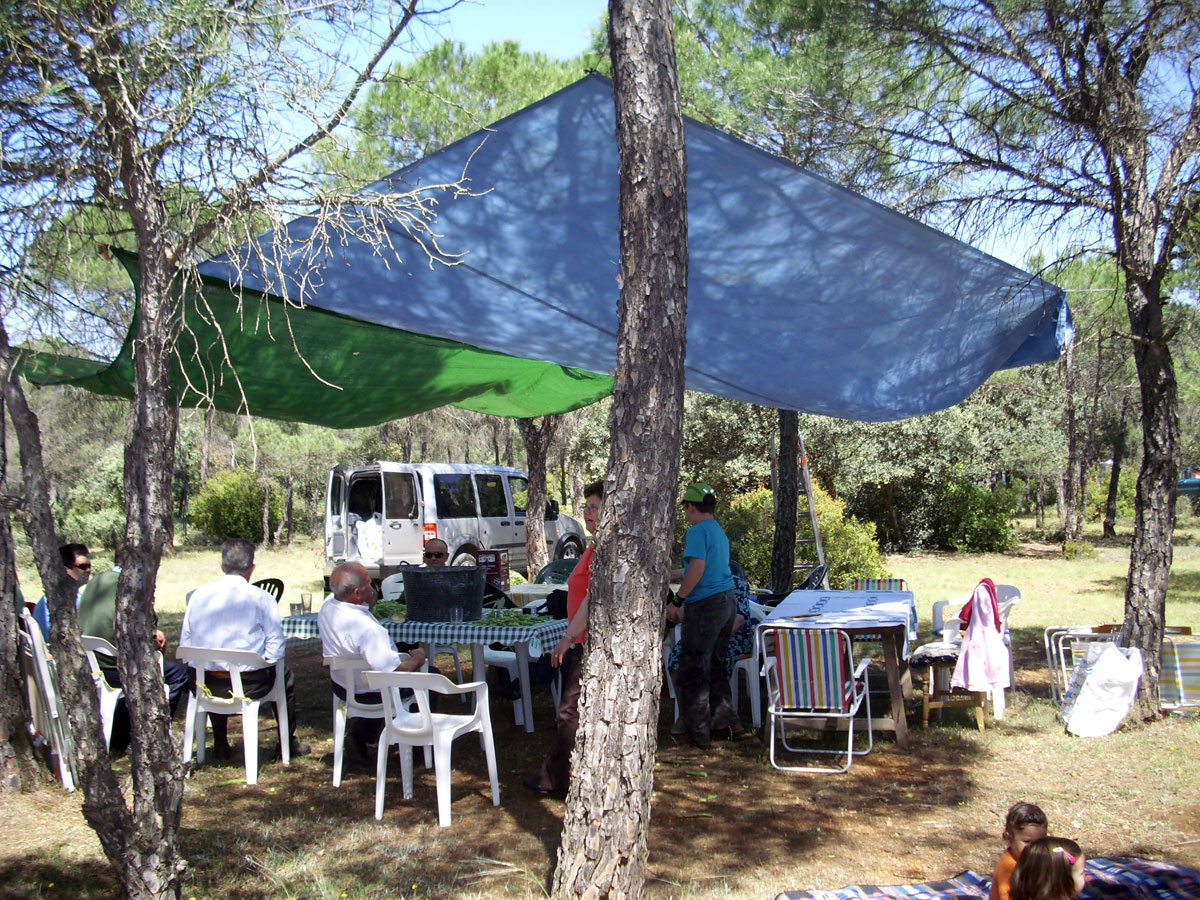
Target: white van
{"x":381,"y":515}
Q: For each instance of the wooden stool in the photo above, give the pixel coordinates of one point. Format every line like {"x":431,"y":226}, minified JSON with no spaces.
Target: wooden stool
{"x":937,"y":696}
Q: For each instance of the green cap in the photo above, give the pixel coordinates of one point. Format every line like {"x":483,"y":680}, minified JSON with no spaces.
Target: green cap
{"x":696,"y":493}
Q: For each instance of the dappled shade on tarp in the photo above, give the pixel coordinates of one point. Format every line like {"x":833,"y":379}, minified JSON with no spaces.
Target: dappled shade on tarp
{"x":801,"y":294}
{"x":374,"y":373}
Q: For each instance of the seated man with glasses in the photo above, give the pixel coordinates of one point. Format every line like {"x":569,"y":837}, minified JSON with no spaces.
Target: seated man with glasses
{"x":76,"y":560}
{"x":437,"y":554}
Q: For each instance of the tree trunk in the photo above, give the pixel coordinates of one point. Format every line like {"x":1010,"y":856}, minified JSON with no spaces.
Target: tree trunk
{"x":1039,"y":516}
{"x":509,"y":458}
{"x":603,"y":852}
{"x":149,"y":865}
{"x":266,"y":517}
{"x":289,"y":510}
{"x":145,"y":864}
{"x":1154,"y":506}
{"x":538,"y":436}
{"x":1119,"y":450}
{"x":787,"y":498}
{"x":205,"y":442}
{"x":1071,"y":482}
{"x":17,"y":763}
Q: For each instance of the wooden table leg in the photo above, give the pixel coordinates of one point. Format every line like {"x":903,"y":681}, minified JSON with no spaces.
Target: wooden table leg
{"x":891,"y":661}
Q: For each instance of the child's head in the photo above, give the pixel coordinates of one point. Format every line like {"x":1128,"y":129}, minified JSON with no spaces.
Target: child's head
{"x":1023,"y":825}
{"x":1051,"y":868}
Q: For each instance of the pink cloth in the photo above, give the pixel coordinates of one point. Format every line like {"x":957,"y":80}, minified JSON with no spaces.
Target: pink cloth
{"x":983,"y":658}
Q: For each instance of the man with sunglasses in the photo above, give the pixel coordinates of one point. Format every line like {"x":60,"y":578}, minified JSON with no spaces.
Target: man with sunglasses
{"x":437,"y":554}
{"x":76,"y":560}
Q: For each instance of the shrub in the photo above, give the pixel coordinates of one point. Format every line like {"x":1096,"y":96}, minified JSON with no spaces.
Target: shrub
{"x":231,"y":504}
{"x":1078,"y":550}
{"x":850,"y":546}
{"x":971,"y":518}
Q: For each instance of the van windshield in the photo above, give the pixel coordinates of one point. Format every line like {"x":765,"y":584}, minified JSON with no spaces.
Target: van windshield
{"x":454,"y":495}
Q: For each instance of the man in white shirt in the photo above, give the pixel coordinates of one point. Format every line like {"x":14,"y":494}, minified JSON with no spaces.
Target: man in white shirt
{"x":349,"y":629}
{"x":232,"y":614}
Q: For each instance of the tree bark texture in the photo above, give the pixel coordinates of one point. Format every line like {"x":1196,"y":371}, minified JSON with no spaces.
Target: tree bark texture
{"x":103,"y":806}
{"x":787,"y":499}
{"x":1119,"y":449}
{"x":1154,"y":506}
{"x":603,"y":851}
{"x":1069,"y":494}
{"x":149,"y":864}
{"x":17,"y":763}
{"x":538,"y":435}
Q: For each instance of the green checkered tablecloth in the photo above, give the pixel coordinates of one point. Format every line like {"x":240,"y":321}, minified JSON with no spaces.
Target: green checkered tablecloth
{"x":540,"y":638}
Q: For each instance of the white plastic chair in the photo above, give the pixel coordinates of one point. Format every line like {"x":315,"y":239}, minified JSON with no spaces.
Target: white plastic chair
{"x":424,"y":727}
{"x":392,"y":587}
{"x":351,"y":708}
{"x":47,"y":706}
{"x":811,"y":674}
{"x":201,"y":703}
{"x":108,"y":695}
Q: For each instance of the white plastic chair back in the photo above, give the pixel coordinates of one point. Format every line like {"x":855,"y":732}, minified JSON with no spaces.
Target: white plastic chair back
{"x":392,"y":587}
{"x":422,"y":727}
{"x":201,"y":703}
{"x":351,"y":708}
{"x":108,"y":694}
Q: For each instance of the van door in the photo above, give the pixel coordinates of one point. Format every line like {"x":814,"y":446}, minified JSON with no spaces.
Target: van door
{"x":496,"y":520}
{"x":364,"y":517}
{"x":518,"y":489}
{"x":335,"y":514}
{"x":403,"y":533}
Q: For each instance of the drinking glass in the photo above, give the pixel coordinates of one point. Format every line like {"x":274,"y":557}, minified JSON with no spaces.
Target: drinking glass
{"x":306,"y":602}
{"x":297,"y":609}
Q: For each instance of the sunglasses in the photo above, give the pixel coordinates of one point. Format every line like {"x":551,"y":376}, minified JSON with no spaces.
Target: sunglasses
{"x":429,"y":554}
{"x":84,"y":566}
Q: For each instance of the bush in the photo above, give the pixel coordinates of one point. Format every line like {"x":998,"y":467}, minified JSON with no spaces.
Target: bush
{"x":91,"y":507}
{"x":231,"y":505}
{"x":1078,"y":550}
{"x":971,"y":518}
{"x":851,"y":549}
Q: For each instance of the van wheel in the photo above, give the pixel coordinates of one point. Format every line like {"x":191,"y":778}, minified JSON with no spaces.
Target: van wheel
{"x":465,"y":557}
{"x":570,"y":550}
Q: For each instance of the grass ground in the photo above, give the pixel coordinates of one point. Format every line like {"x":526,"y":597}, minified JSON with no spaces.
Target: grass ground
{"x":725,"y":824}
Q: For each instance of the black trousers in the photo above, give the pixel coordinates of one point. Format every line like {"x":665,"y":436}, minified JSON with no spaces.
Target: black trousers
{"x":705,"y":699}
{"x":257,"y":683}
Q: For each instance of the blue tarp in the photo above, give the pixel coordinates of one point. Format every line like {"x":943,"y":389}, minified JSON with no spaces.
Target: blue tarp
{"x":801,"y":294}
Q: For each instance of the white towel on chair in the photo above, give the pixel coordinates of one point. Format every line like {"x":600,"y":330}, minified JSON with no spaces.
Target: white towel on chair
{"x":983,"y":660}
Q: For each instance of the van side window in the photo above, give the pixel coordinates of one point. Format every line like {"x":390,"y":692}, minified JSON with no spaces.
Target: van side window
{"x":400,"y":493}
{"x":491,"y":495}
{"x":366,"y":498}
{"x":520,"y":493}
{"x":454,"y":495}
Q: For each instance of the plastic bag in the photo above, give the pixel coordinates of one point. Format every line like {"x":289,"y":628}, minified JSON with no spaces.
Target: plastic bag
{"x":1102,"y":689}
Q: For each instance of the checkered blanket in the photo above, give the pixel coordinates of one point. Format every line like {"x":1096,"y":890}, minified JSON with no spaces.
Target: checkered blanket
{"x":1107,"y":879}
{"x":540,"y":638}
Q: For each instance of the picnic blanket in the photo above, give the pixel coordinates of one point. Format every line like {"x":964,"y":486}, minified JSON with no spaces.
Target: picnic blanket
{"x":1107,"y":879}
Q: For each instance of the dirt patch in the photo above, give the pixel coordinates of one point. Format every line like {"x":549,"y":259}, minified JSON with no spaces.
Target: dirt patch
{"x":725,"y":824}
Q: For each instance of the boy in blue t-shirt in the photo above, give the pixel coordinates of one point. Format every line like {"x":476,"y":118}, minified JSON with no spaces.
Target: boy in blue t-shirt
{"x":707,"y":614}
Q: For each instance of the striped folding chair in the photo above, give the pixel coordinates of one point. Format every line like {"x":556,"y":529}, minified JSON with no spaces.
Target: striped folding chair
{"x":1179,"y":687}
{"x":811,"y":674}
{"x":877,"y":584}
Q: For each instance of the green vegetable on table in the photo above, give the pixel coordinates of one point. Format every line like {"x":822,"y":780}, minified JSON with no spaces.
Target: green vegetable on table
{"x":508,"y":617}
{"x":385,"y":609}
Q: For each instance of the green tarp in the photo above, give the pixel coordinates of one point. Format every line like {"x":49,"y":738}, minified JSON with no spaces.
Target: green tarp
{"x":313,"y":365}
